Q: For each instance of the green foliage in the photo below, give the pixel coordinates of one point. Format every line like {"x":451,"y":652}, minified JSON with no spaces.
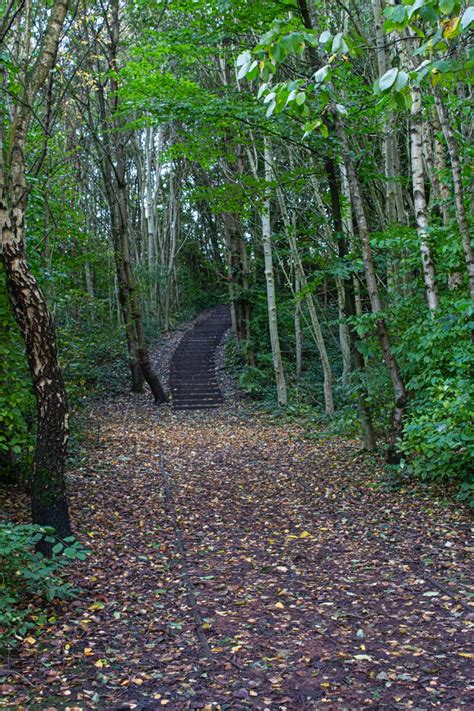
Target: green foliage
{"x":439,"y":431}
{"x":16,"y":397}
{"x":27,"y":578}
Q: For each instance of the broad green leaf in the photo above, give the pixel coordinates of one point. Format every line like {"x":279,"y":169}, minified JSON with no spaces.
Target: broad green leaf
{"x":396,"y":14}
{"x":271,"y":109}
{"x":401,"y":81}
{"x":446,"y":6}
{"x":321,"y":74}
{"x":413,"y":8}
{"x":243,"y":71}
{"x":467,"y":17}
{"x":336,"y":43}
{"x":388,"y":79}
{"x":243,"y":58}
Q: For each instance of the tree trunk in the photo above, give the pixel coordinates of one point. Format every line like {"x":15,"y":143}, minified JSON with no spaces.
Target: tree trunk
{"x":419,"y":198}
{"x":298,"y":331}
{"x":316,"y":331}
{"x":344,"y":228}
{"x":49,"y":502}
{"x":455,"y":159}
{"x":113,"y":165}
{"x":375,"y":301}
{"x":270,"y":280}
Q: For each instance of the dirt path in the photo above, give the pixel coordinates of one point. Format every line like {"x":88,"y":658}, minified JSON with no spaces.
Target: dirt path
{"x":237,"y":564}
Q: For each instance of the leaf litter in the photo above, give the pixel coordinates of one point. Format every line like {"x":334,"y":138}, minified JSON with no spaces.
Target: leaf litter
{"x":238,"y":564}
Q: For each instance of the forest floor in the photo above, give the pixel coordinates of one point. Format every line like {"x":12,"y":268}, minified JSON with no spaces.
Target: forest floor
{"x":238,"y":563}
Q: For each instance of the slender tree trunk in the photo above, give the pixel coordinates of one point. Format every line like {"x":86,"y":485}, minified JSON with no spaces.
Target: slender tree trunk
{"x":341,"y":288}
{"x":455,"y":159}
{"x":375,"y":301}
{"x":344,"y":339}
{"x":316,"y":330}
{"x":114,"y":172}
{"x":298,"y":330}
{"x":351,"y":296}
{"x":270,"y":280}
{"x":419,"y":198}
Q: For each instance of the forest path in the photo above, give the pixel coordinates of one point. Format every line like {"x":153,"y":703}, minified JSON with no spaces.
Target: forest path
{"x":193,"y":379}
{"x":316,"y":589}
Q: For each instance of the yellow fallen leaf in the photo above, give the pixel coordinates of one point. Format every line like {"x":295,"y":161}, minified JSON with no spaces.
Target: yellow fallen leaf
{"x":279,"y":605}
{"x":97,"y":606}
{"x":137,"y":681}
{"x":468,"y":655}
{"x":30,"y":640}
{"x":305,"y":534}
{"x":88,"y":651}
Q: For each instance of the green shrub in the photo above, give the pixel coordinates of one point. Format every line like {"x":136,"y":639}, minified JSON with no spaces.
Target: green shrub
{"x":439,"y":435}
{"x":27,"y":578}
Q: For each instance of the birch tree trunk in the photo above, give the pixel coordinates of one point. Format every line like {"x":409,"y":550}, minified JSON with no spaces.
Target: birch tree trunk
{"x":49,"y":502}
{"x":419,"y":198}
{"x":270,"y":279}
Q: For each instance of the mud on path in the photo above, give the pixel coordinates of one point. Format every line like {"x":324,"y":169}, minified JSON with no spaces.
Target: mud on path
{"x":311,"y":586}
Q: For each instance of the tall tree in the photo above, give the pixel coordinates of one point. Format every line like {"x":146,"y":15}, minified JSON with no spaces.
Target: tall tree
{"x":34,"y":319}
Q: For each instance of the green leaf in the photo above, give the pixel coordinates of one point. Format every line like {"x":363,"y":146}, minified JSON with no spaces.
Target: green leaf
{"x":339,"y":44}
{"x":428,"y":14}
{"x":243,"y":71}
{"x":271,"y":109}
{"x":401,"y":81}
{"x":321,"y":74}
{"x":244,"y":58}
{"x":396,"y":14}
{"x":325,"y":37}
{"x":388,"y":79}
{"x":467,"y":17}
{"x":446,"y":6}
{"x":413,"y":8}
